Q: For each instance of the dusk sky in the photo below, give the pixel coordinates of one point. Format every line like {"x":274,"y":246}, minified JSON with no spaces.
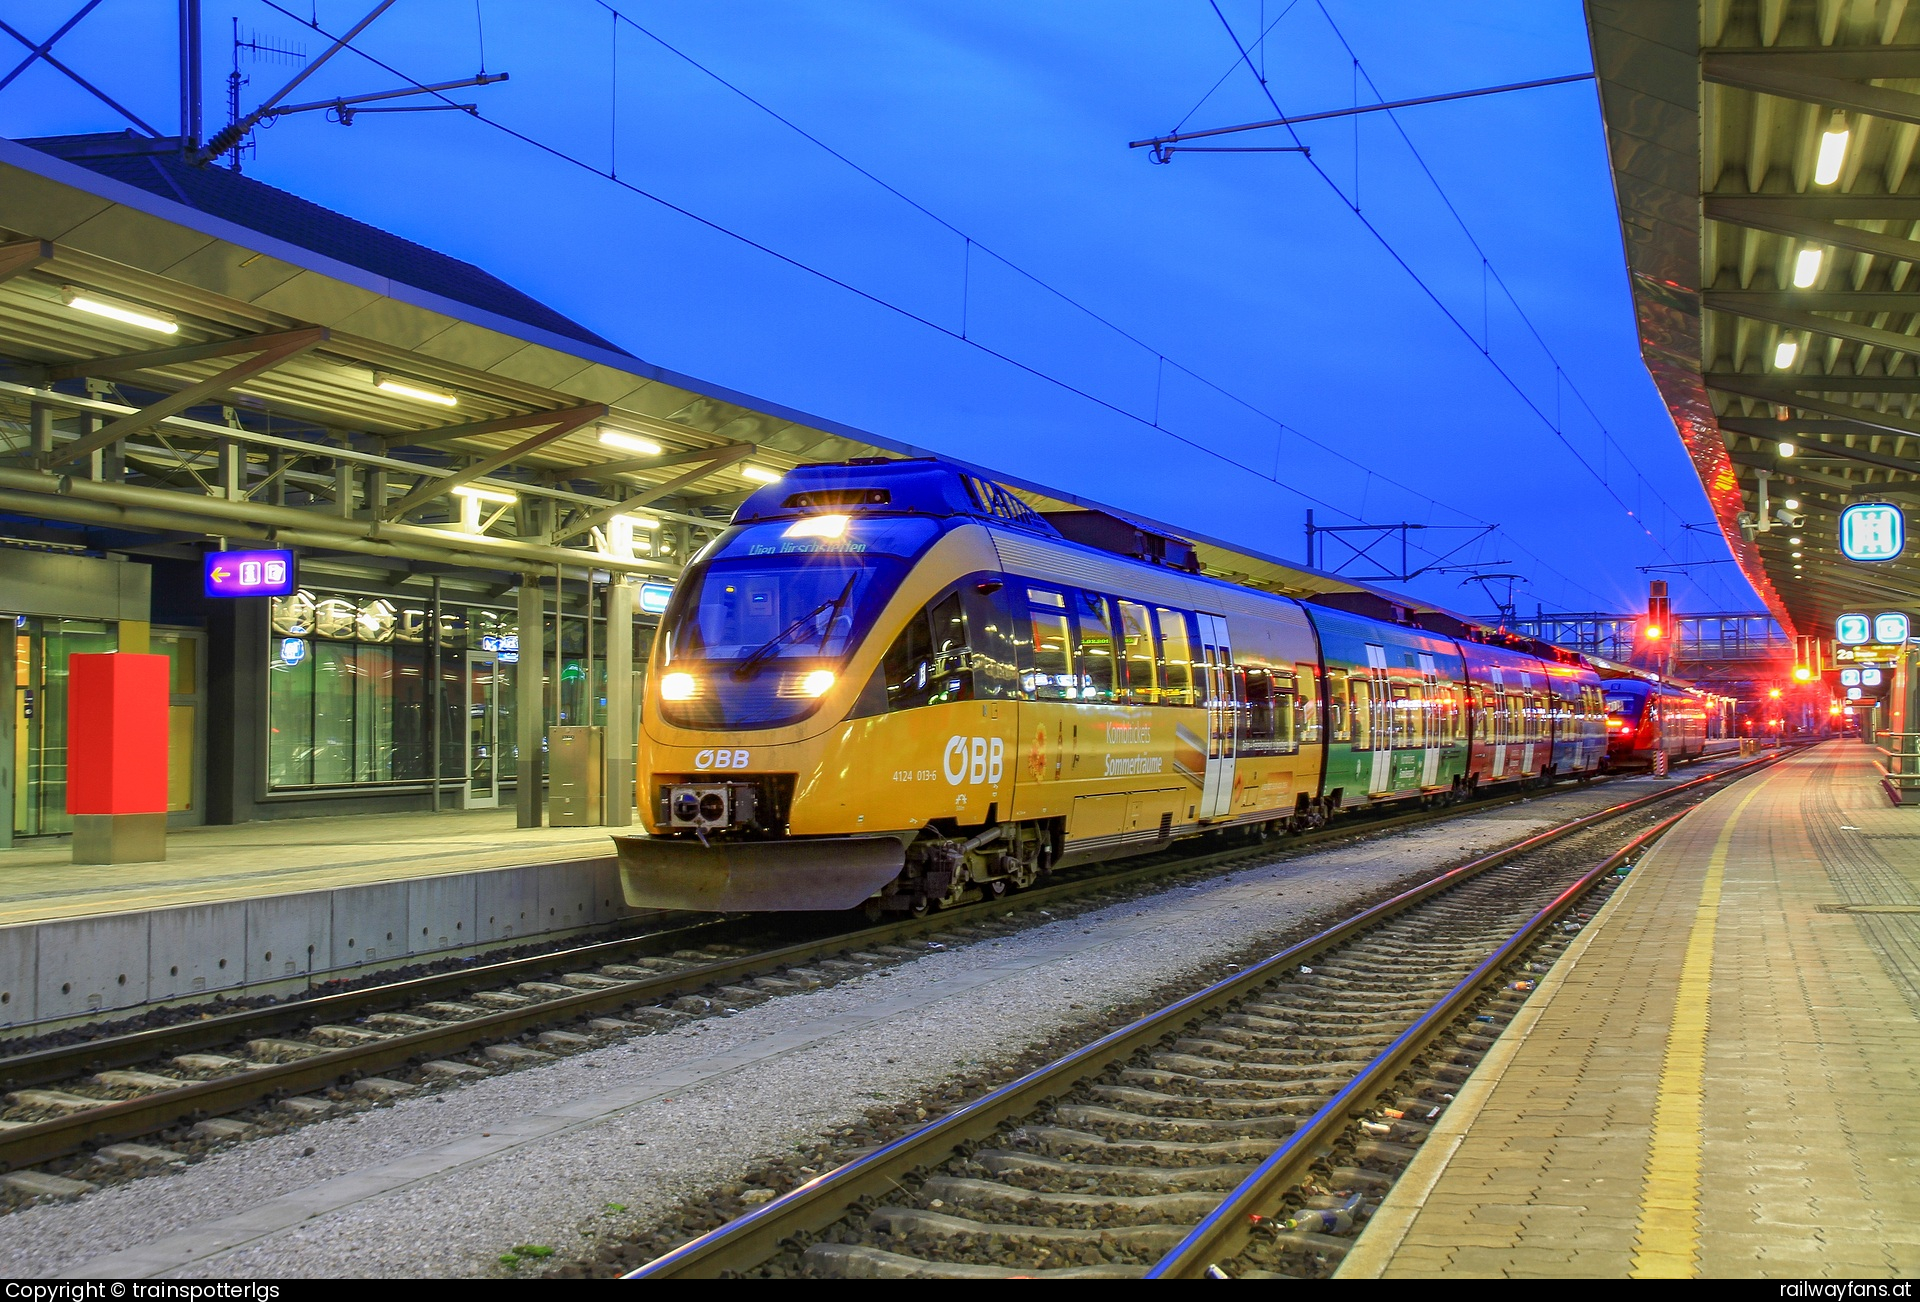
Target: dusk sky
{"x":1009,"y":124}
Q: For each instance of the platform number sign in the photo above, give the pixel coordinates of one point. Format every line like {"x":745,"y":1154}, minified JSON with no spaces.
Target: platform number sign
{"x":1872,"y":531}
{"x":1890,"y":627}
{"x":1853,"y":630}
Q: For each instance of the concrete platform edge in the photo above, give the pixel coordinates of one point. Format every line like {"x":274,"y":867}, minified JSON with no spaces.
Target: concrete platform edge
{"x":60,"y":970}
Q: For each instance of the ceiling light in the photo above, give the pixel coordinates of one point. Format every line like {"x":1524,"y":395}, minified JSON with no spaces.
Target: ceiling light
{"x":486,"y":495}
{"x":1799,"y":567}
{"x":146,"y":318}
{"x":646,"y":522}
{"x":1806,"y":266}
{"x":1787,"y":449}
{"x":1796,"y":556}
{"x":628,"y":443}
{"x":1784,"y":352}
{"x":1793,"y":542}
{"x":418,"y":392}
{"x":1833,"y":150}
{"x":761,"y":474}
{"x":1792,"y":504}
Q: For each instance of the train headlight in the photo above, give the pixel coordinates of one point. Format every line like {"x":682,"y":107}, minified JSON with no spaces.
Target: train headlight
{"x":818,"y":526}
{"x":817,"y":682}
{"x":677,"y":687}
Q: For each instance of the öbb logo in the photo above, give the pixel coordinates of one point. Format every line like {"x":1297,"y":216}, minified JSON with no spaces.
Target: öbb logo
{"x":720,"y":759}
{"x":973,"y":760}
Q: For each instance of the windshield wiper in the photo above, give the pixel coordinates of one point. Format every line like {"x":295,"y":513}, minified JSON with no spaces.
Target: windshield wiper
{"x":750,"y":666}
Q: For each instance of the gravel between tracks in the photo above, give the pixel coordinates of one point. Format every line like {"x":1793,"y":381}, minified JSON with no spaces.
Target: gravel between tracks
{"x":443,"y":1185}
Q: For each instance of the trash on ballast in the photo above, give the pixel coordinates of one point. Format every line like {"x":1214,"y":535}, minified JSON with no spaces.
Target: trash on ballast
{"x":1376,"y":1127}
{"x":1483,"y":1018}
{"x":1431,"y":1115}
{"x":1307,"y":970}
{"x":1327,"y":1220}
{"x":1523,"y":986}
{"x":1446,"y":1098}
{"x":1214,"y":1272}
{"x":1396,"y":1113}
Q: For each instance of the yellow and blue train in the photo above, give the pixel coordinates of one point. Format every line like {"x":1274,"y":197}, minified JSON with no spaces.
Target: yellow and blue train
{"x":893,"y":684}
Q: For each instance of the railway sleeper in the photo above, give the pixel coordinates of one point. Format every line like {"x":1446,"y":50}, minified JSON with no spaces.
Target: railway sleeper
{"x":1335,"y":1016}
{"x":1139,"y":1098}
{"x":1211,"y":1068}
{"x":1091,"y":1211}
{"x":913,"y":1221}
{"x":1139,"y":1124}
{"x":863,"y":1261}
{"x":1224,"y":1086}
{"x":1060,"y":1139}
{"x":1008,"y":1164}
{"x":1239,"y":1044}
{"x":1245,"y":1056}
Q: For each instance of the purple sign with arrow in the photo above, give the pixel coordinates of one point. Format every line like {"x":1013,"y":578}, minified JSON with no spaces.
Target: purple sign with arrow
{"x":249,"y":574}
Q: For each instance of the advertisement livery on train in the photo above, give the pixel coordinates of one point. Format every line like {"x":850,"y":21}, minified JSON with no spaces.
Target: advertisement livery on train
{"x":892,"y":684}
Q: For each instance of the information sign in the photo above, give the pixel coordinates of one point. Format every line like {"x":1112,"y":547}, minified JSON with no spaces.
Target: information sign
{"x":1872,"y":531}
{"x":249,"y":574}
{"x":1890,"y":626}
{"x":654,"y":597}
{"x":1852,"y":630}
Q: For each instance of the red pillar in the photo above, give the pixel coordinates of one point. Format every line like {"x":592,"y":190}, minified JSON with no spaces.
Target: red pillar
{"x":117,"y":756}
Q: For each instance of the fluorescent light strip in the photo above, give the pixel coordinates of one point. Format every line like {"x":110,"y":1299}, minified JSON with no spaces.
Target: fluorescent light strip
{"x":125,"y":313}
{"x":409,"y":390}
{"x":486,"y":495}
{"x":761,"y":474}
{"x":628,"y":443}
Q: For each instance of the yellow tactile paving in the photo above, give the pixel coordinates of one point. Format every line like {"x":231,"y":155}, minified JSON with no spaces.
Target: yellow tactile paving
{"x":209,"y":864}
{"x":1789,"y":1142}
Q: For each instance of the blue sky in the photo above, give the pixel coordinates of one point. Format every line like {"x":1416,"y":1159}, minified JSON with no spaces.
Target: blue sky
{"x":1009,"y":123}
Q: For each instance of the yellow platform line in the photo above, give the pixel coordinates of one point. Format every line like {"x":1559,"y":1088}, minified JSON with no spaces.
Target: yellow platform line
{"x":1667,"y":1241}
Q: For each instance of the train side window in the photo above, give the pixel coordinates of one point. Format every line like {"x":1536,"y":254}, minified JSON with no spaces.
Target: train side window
{"x":1360,"y":711}
{"x":1258,"y":728}
{"x":1050,"y":677}
{"x":908,"y":666}
{"x":1093,"y":647}
{"x":1307,"y":709}
{"x":952,"y":676}
{"x":1338,"y":713}
{"x":1136,"y":629}
{"x":1286,"y":721}
{"x":1176,"y":657}
{"x":992,"y":637}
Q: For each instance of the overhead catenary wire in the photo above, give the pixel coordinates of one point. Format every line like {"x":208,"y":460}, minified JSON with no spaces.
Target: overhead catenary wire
{"x":1452,"y":317}
{"x":1489,"y":269}
{"x":919,"y":318}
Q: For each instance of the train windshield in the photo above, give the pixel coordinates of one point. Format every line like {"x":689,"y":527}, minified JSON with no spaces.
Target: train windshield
{"x":776,"y":602}
{"x":1625,"y":706}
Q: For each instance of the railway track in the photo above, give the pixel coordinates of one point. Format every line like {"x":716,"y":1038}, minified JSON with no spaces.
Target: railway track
{"x":384,"y":1041}
{"x":1245,"y":1130}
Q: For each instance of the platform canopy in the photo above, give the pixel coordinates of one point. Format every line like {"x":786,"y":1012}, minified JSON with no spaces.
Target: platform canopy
{"x":1763,"y":156}
{"x":188,"y":351}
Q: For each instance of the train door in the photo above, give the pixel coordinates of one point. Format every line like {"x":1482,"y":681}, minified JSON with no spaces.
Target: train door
{"x":1381,"y":774}
{"x":1498,"y":699}
{"x":1431,"y":712}
{"x":1223,"y":717}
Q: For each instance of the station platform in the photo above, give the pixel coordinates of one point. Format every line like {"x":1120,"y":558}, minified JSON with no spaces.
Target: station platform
{"x":1718,"y":1078}
{"x":262,"y":905}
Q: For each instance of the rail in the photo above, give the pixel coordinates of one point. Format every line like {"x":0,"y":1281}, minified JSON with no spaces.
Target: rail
{"x":750,"y":1239}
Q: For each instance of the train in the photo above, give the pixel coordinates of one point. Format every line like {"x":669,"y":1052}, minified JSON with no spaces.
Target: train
{"x":1646,"y":719}
{"x":891,"y":684}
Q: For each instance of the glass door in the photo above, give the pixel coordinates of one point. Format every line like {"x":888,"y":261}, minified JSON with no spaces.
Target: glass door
{"x":483,"y":730}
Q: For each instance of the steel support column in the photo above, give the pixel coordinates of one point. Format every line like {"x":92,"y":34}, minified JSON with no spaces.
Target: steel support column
{"x":617,"y":742}
{"x":530,"y":710}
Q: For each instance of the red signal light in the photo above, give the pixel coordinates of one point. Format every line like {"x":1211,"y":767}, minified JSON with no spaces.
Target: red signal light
{"x":1653,"y":632}
{"x":1773,"y":693}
